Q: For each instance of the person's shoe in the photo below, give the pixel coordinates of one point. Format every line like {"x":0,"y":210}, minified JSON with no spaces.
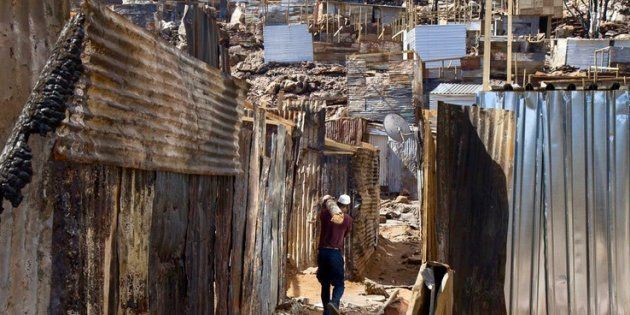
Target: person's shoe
{"x":332,"y":309}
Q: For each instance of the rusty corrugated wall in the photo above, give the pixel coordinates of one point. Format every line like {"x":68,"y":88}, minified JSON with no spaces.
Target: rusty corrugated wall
{"x":303,"y":231}
{"x":104,"y":238}
{"x":160,"y":128}
{"x":366,"y":191}
{"x":347,"y":130}
{"x":380,"y":84}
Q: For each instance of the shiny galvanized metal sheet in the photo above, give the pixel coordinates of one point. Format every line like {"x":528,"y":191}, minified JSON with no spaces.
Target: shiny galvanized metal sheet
{"x":437,"y":42}
{"x":288,"y":43}
{"x":143,"y":104}
{"x":455,"y":94}
{"x":570,"y":207}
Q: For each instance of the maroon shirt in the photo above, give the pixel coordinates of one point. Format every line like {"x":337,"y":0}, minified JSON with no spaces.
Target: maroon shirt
{"x":332,"y":234}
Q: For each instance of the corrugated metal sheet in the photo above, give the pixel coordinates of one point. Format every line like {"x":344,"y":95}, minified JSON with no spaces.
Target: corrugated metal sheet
{"x":456,"y":94}
{"x":457,"y":89}
{"x":288,"y":43}
{"x":379,"y":85}
{"x":568,"y":234}
{"x":580,"y":52}
{"x":438,"y":41}
{"x":346,"y":130}
{"x":364,"y":237}
{"x":380,"y":141}
{"x":143,"y":104}
{"x":398,"y":162}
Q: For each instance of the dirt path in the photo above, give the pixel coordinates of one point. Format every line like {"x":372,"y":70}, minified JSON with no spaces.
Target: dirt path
{"x":394,"y":263}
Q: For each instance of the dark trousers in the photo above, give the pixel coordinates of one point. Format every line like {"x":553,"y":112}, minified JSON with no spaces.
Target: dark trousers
{"x":330,"y":271}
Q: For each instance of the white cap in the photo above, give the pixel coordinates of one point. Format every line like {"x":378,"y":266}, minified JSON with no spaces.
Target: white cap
{"x":344,"y":199}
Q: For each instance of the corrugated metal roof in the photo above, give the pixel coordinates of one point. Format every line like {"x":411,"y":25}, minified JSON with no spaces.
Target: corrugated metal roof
{"x":141,"y":103}
{"x":439,"y":41}
{"x":288,"y":43}
{"x":457,"y":89}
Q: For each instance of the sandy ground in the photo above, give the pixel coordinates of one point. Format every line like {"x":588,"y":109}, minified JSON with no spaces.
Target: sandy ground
{"x":390,"y":266}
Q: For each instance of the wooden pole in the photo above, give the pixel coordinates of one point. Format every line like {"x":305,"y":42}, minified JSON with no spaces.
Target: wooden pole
{"x":509,"y":43}
{"x":486,"y":45}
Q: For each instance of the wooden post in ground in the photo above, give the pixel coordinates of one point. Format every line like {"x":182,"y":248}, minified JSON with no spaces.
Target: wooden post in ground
{"x":509,"y":43}
{"x":486,"y":45}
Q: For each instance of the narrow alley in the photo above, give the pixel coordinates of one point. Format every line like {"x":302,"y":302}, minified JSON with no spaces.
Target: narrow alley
{"x":397,"y":157}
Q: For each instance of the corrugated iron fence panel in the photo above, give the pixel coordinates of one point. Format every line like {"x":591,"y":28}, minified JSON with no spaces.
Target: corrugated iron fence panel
{"x":364,"y":182}
{"x":189,"y":125}
{"x":568,"y":235}
{"x":380,"y":85}
{"x":302,"y":237}
{"x":346,"y":130}
{"x":440,"y":41}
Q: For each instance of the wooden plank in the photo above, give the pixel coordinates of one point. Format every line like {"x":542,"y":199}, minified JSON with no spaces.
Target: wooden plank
{"x":509,"y":42}
{"x":239,"y":216}
{"x":259,"y":283}
{"x":200,"y":254}
{"x":222,"y":243}
{"x":84,"y":202}
{"x":253,"y":205}
{"x":487,"y":39}
{"x":134,"y":227}
{"x":284,"y":220}
{"x":167,"y":276}
{"x":278,"y":197}
{"x":469,"y":200}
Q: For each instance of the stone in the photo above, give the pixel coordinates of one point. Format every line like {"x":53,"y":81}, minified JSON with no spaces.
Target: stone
{"x":373,"y":288}
{"x":376,"y":298}
{"x":397,"y":307}
{"x":401,"y":199}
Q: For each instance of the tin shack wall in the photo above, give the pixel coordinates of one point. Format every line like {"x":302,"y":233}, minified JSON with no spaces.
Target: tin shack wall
{"x":366,"y":188}
{"x":380,"y":84}
{"x":569,"y":217}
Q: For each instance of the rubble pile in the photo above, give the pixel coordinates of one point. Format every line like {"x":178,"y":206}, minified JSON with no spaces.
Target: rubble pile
{"x":244,"y":40}
{"x":400,"y":210}
{"x":306,"y":80}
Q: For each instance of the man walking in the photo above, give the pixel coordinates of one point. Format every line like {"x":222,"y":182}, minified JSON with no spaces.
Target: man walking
{"x":335,"y":226}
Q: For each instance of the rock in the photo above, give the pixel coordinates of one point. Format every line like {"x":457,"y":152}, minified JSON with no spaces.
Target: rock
{"x":407,"y":217}
{"x":376,"y":298}
{"x":398,"y":307}
{"x":373,"y":288}
{"x":401,"y":199}
{"x":392,"y":215}
{"x":382,"y":219}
